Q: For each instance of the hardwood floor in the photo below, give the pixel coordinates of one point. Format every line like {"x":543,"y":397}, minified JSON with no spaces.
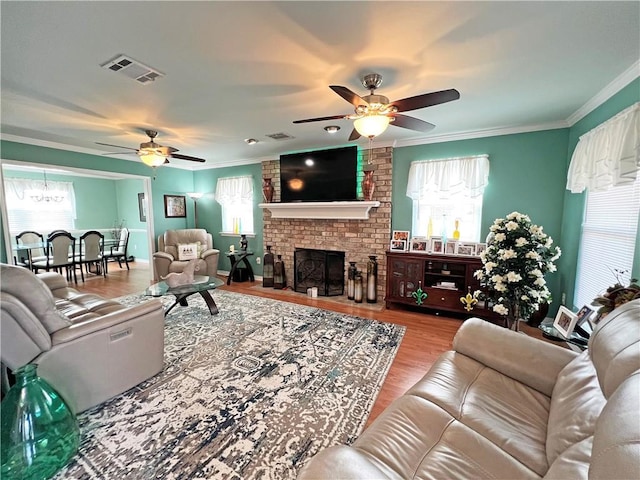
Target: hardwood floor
{"x":426,"y":336}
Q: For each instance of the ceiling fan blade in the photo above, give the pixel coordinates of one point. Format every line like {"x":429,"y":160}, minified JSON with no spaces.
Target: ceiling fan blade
{"x":412,"y":123}
{"x":353,"y":98}
{"x":117,"y":146}
{"x":426,"y":100}
{"x":120,"y":153}
{"x":354,"y":135}
{"x":187,"y":157}
{"x":321,"y":119}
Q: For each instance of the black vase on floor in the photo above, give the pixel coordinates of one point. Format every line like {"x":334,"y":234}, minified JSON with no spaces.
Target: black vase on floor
{"x":267,"y":268}
{"x":279,"y":277}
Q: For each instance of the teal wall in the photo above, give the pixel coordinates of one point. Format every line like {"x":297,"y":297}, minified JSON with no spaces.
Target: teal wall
{"x":127,"y":207}
{"x":574,"y":202}
{"x":527,"y":174}
{"x":209,"y":211}
{"x":167,"y":181}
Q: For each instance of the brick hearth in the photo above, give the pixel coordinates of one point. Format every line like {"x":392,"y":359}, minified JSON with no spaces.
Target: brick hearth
{"x":357,"y":238}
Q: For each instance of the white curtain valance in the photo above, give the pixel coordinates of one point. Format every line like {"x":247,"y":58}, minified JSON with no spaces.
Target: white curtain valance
{"x":19,"y":190}
{"x":607,"y":155}
{"x":451,"y":176}
{"x":235,"y":191}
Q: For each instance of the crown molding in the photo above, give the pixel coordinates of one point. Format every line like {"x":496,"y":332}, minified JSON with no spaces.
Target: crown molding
{"x":606,"y":93}
{"x":489,"y":132}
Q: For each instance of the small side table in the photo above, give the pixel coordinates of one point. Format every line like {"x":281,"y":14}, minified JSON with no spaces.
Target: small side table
{"x":235,"y":262}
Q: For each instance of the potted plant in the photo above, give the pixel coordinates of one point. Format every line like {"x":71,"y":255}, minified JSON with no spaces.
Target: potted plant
{"x":517,"y":256}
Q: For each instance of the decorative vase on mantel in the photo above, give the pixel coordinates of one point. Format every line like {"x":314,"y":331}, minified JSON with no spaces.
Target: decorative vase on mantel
{"x":39,"y":433}
{"x":368,"y":184}
{"x":267,"y":190}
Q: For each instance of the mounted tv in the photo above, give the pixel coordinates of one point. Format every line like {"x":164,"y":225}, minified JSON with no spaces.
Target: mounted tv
{"x":319,"y":176}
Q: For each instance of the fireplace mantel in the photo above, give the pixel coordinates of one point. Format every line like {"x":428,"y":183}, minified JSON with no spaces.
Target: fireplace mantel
{"x":324,"y":210}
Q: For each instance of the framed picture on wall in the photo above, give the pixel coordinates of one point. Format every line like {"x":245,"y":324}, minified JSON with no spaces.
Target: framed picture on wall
{"x":142,"y":207}
{"x":175,"y":206}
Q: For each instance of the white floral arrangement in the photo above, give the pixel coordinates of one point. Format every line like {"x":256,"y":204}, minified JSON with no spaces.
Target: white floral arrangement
{"x":517,"y":257}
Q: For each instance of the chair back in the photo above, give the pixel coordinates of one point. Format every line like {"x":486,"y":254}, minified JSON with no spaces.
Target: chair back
{"x":91,"y":246}
{"x":27,"y":237}
{"x":62,"y":248}
{"x":122,"y":243}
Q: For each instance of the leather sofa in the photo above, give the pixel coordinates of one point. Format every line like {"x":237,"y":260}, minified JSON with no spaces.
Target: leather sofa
{"x":88,"y":348}
{"x":505,"y":405}
{"x":166,"y":260}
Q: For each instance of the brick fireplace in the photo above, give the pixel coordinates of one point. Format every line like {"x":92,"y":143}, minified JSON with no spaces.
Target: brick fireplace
{"x":357,"y":238}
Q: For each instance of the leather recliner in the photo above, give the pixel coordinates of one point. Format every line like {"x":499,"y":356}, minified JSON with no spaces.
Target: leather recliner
{"x":88,"y":348}
{"x":166,"y":260}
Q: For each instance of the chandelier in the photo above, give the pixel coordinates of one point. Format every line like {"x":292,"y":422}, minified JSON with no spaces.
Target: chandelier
{"x":46,"y":195}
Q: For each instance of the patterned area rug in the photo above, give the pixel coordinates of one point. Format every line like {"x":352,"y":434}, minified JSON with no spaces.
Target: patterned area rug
{"x":252,"y":392}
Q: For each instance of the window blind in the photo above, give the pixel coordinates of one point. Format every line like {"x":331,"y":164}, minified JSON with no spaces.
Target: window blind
{"x":608,"y":240}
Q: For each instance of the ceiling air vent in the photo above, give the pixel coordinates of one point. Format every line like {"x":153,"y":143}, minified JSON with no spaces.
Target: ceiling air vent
{"x":280,"y":136}
{"x":132,"y":69}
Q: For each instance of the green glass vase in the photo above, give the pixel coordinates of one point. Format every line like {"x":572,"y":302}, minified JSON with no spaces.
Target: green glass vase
{"x":39,"y":432}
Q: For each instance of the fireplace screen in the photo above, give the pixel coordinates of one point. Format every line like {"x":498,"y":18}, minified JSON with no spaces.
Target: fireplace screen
{"x":323,"y":269}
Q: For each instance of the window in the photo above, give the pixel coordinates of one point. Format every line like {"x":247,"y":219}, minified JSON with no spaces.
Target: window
{"x":608,"y":240}
{"x":445,"y":192}
{"x":235,"y":194}
{"x":40,"y":206}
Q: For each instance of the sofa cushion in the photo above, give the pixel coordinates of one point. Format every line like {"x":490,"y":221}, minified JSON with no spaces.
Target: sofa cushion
{"x":576,"y":404}
{"x":415,"y":438}
{"x":573,"y":462}
{"x":507,"y":413}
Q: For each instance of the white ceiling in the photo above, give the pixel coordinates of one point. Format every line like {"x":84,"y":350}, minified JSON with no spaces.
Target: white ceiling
{"x":237,"y":70}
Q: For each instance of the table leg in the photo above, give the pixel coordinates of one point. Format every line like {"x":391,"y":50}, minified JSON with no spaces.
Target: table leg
{"x":213,"y":308}
{"x":234,"y":266}
{"x":249,"y":269}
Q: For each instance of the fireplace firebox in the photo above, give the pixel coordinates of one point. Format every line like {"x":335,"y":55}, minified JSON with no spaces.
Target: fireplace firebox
{"x":323,"y":269}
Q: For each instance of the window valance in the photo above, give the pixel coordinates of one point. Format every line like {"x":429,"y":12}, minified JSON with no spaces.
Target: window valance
{"x":22,"y":189}
{"x":450,"y":176}
{"x":235,"y":190}
{"x":608,"y":155}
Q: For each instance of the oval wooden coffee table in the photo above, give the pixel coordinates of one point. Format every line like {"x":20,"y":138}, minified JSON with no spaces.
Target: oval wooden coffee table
{"x":202,"y":285}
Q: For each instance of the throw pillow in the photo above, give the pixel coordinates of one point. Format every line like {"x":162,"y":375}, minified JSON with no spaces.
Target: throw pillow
{"x":187,"y":251}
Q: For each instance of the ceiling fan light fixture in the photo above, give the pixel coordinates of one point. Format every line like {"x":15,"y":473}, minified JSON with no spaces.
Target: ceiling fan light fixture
{"x":151,"y":159}
{"x":331,"y":128}
{"x":371,"y":125}
{"x":250,"y":141}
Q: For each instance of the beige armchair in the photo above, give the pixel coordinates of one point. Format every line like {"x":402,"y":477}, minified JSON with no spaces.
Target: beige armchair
{"x":89,"y":348}
{"x":168,"y":258}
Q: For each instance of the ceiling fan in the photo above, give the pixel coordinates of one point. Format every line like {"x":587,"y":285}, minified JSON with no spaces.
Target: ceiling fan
{"x":373,"y":113}
{"x":153,"y":154}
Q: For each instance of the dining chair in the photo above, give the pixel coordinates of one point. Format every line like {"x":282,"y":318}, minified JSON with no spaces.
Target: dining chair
{"x":61,"y":250}
{"x":118,"y":252}
{"x":91,"y":250}
{"x":33,"y":254}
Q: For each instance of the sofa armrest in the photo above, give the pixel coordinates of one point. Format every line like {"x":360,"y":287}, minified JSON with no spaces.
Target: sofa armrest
{"x":53,"y":280}
{"x":208,"y":252}
{"x":110,"y":320}
{"x":526,"y":359}
{"x":340,"y":461}
{"x":211,"y":258}
{"x":163,"y":256}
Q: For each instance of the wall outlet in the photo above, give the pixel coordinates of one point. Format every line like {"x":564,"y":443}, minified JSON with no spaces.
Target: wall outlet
{"x":258,"y":260}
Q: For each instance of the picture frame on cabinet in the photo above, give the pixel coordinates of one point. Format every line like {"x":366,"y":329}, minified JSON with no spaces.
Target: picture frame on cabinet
{"x":437,"y":245}
{"x":565,"y":321}
{"x":450,"y":247}
{"x":467,"y":249}
{"x":419,"y":244}
{"x":398,"y":246}
{"x":583,"y":315}
{"x":401,"y":235}
{"x":480,"y":248}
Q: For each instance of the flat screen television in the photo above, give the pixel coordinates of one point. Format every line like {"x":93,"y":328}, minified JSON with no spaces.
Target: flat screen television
{"x":319,"y":176}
